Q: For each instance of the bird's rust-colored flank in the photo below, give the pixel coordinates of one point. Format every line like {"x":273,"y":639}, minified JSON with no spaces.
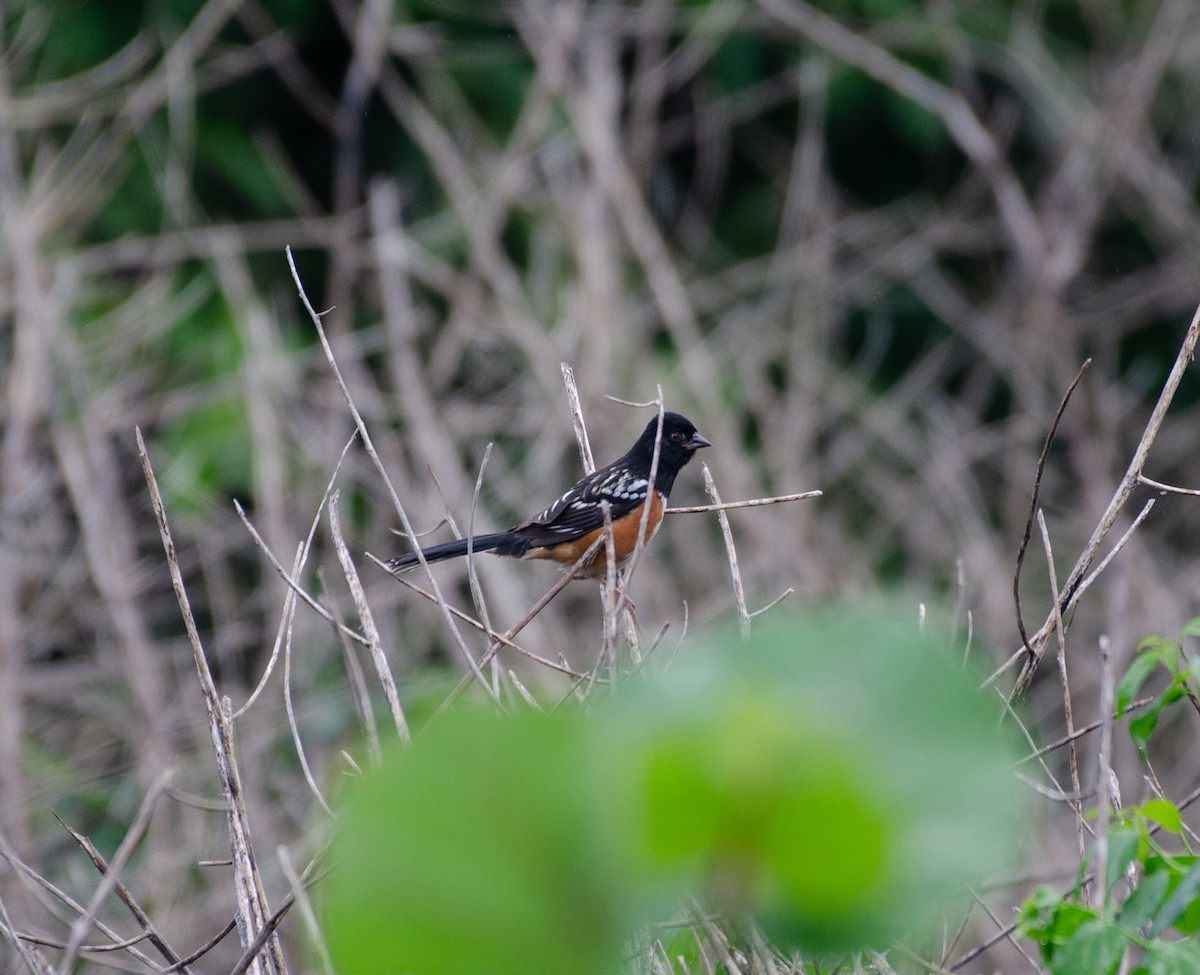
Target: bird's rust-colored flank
{"x":625,"y":533}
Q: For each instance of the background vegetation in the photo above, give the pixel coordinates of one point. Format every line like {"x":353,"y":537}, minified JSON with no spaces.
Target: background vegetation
{"x":865,"y":245}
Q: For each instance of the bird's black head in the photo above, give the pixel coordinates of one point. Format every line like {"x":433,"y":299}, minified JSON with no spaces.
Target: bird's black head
{"x":678,"y":445}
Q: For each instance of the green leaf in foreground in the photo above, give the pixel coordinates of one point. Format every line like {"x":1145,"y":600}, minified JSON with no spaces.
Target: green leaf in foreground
{"x":837,"y":778}
{"x":1170,"y":958}
{"x":1094,"y":949}
{"x":475,"y":851}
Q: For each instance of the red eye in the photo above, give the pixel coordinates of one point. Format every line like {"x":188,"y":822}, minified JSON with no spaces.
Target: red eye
{"x":676,"y":437}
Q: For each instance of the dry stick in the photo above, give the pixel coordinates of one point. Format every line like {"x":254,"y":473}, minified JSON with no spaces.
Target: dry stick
{"x":268,"y":931}
{"x":33,"y":960}
{"x":1033,"y":507}
{"x":369,"y":446}
{"x":608,"y":597}
{"x":367,"y":619}
{"x":1080,"y":589}
{"x":299,"y":887}
{"x":358,"y":688}
{"x":294,"y":585}
{"x":1104,"y":771}
{"x":82,"y":925}
{"x":609,"y":589}
{"x":203,"y":950}
{"x":1128,"y":482}
{"x":581,"y":435}
{"x":523,"y":691}
{"x":1072,"y":755}
{"x":114,"y":946}
{"x":702,"y":509}
{"x":149,"y":931}
{"x":1095,"y":573}
{"x":1193,"y":492}
{"x":470,"y":621}
{"x":739,"y":593}
{"x":251,"y":905}
{"x":63,"y":897}
{"x":293,"y":726}
{"x":773,"y":603}
{"x":1086,"y":729}
{"x":312,"y":533}
{"x":516,"y":628}
{"x":1060,"y":793}
{"x":472,"y":576}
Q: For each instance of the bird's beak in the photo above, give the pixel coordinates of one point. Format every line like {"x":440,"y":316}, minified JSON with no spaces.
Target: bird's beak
{"x":698,"y":441}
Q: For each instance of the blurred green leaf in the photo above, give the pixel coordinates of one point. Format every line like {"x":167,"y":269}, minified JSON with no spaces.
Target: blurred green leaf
{"x":1142,"y":727}
{"x":1170,"y":958}
{"x":1123,"y":842}
{"x":1033,"y":916}
{"x":475,"y":851}
{"x":1141,"y":667}
{"x":1145,"y":899}
{"x":837,"y":777}
{"x":1164,"y":812}
{"x":1095,"y":948}
{"x":1180,"y":900}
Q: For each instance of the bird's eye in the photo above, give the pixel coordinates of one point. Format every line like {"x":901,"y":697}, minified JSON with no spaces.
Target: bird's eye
{"x":676,"y":437}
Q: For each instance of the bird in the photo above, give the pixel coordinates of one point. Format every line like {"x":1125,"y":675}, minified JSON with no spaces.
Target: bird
{"x":566,"y":529}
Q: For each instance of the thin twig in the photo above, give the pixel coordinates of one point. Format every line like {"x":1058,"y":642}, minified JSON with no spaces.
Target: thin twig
{"x":581,"y":434}
{"x":1104,"y":772}
{"x":149,"y":931}
{"x":1170,"y":488}
{"x":358,"y":686}
{"x":1072,"y":755}
{"x":1129,"y":481}
{"x":470,"y":621}
{"x":83,"y":924}
{"x":293,"y":725}
{"x":1079,"y":732}
{"x":702,"y":509}
{"x":114,"y":946}
{"x":33,"y":960}
{"x":1040,"y":641}
{"x":203,"y":950}
{"x":369,"y":446}
{"x":516,"y":628}
{"x":739,"y":593}
{"x":251,"y":905}
{"x":289,"y":609}
{"x":472,"y":575}
{"x":294,"y":585}
{"x":773,"y":603}
{"x":367,"y":619}
{"x":1033,"y":504}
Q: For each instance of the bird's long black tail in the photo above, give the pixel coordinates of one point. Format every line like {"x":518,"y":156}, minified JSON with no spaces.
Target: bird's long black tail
{"x":504,"y":543}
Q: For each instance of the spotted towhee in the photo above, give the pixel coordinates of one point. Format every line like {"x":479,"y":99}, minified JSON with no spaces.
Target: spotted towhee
{"x":567,"y":529}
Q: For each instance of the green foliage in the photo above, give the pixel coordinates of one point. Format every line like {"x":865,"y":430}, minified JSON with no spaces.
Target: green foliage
{"x":836,"y":779}
{"x":475,"y":851}
{"x":1162,"y":902}
{"x":1152,"y":653}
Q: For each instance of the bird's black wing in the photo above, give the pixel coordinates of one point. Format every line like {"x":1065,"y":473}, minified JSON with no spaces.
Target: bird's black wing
{"x":580,"y":510}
